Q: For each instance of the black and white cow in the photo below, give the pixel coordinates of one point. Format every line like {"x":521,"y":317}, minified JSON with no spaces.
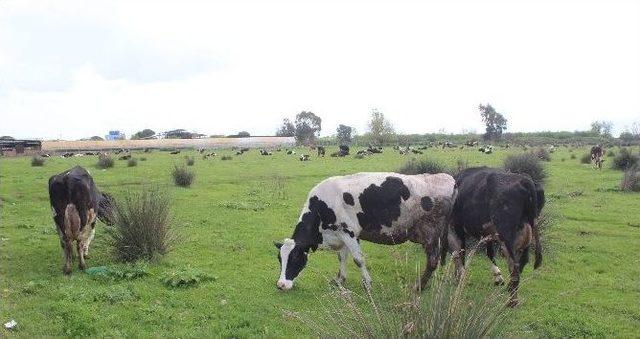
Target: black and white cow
{"x":384,"y":208}
{"x":76,"y":202}
{"x":597,"y":155}
{"x":500,"y":208}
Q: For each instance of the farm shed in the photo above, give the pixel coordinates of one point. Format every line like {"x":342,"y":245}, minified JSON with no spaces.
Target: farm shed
{"x":20,"y":147}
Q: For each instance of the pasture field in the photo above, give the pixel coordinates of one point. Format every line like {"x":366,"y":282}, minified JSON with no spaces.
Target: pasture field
{"x":588,"y":285}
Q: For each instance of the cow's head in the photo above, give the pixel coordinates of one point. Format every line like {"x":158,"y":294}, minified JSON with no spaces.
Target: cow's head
{"x":292,"y":258}
{"x":105,"y":209}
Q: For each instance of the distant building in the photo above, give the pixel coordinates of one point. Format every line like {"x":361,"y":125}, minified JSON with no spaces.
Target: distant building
{"x":115,"y":135}
{"x":20,"y":147}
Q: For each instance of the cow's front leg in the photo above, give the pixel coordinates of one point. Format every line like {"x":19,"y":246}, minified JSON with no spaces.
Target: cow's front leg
{"x":358,"y":258}
{"x":80,"y":247}
{"x":514,"y":281}
{"x":456,"y":246}
{"x":491,"y":253}
{"x":343,"y":255}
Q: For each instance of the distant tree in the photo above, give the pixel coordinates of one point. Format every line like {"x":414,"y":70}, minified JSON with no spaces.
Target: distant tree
{"x":380,"y":128}
{"x":626,"y":137}
{"x":145,"y":133}
{"x":344,"y":134}
{"x":635,"y":130}
{"x":495,"y":122}
{"x":287,"y":129}
{"x":308,"y":126}
{"x":96,"y":138}
{"x":602,"y":128}
{"x":6,"y":137}
{"x":244,"y":134}
{"x":178,"y":134}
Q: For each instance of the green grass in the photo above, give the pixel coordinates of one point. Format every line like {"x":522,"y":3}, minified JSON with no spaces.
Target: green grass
{"x":226,"y":221}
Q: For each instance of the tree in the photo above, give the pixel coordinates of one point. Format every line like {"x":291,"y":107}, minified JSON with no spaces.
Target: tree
{"x":602,"y":128}
{"x":626,"y":137}
{"x":244,"y":134}
{"x":145,"y":133}
{"x":635,"y":130}
{"x":495,"y":122}
{"x":380,"y":128}
{"x":6,"y":137}
{"x":308,"y":126}
{"x":344,"y":134}
{"x":96,"y":138}
{"x":287,"y":129}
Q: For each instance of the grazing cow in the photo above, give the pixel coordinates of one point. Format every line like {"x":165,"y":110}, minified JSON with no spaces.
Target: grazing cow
{"x":415,"y":151}
{"x":304,"y":157}
{"x":321,"y":151}
{"x":173,"y":152}
{"x":76,"y":202}
{"x":384,"y":208}
{"x":500,"y":208}
{"x":597,"y":155}
{"x":265,"y":152}
{"x":291,"y":152}
{"x":374,"y":150}
{"x":343,"y":151}
{"x":125,"y":157}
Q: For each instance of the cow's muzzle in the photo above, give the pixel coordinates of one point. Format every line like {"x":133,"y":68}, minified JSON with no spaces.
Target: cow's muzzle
{"x":284,"y":285}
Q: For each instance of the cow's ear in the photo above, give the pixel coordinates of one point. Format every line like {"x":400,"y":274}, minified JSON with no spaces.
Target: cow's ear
{"x":277,"y":244}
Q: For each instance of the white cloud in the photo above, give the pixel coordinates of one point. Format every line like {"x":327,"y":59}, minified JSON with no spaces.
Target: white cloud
{"x":223,"y":67}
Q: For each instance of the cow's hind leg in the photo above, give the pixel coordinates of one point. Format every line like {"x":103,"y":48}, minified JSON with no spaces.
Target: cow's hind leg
{"x":67,"y":255}
{"x":456,"y":246}
{"x":343,"y":255}
{"x":358,"y":258}
{"x":80,"y":248}
{"x":432,"y":251}
{"x":491,"y":253}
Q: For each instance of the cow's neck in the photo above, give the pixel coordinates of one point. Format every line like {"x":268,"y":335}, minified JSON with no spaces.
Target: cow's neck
{"x":307,"y":234}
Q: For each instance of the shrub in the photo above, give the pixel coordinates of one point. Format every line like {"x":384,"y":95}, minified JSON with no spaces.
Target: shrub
{"x":573,"y":156}
{"x":132,"y":162}
{"x":37,"y":161}
{"x":142,"y":226}
{"x":624,"y":160}
{"x":358,"y":156}
{"x":526,"y":163}
{"x":143,"y":159}
{"x":226,"y":157}
{"x":421,"y":166}
{"x":586,"y":158}
{"x":611,"y":153}
{"x":191,"y":161}
{"x":188,"y":277}
{"x":631,"y":180}
{"x":105,"y":161}
{"x":443,"y":311}
{"x":182,"y":176}
{"x":543,"y":154}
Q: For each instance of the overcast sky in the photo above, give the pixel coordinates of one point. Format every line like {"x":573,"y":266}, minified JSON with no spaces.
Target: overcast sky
{"x":73,"y":69}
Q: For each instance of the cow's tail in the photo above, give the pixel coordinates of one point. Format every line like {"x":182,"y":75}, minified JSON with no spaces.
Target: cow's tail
{"x":532,"y":211}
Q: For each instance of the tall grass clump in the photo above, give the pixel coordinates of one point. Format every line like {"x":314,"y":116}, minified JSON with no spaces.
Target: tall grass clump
{"x":526,"y":163}
{"x":415,"y":166}
{"x":442,"y":311}
{"x":105,"y":161}
{"x":631,"y":180}
{"x":226,"y":157}
{"x":132,"y":162}
{"x":191,"y":161}
{"x":37,"y":161}
{"x":182,"y":176}
{"x":142,"y":226}
{"x":543,"y":154}
{"x":585,"y":158}
{"x":624,"y":160}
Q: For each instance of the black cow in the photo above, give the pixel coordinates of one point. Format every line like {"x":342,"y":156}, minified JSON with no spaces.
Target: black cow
{"x":597,"y":155}
{"x":500,"y":208}
{"x":76,"y":202}
{"x":343,"y":151}
{"x":321,"y":151}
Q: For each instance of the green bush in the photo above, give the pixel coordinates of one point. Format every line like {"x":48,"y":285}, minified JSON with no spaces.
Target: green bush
{"x":631,"y":180}
{"x":37,"y":161}
{"x":422,"y":166}
{"x":526,"y":163}
{"x":188,"y":277}
{"x":191,"y":161}
{"x":132,"y":162}
{"x":105,"y":161}
{"x":586,"y":158}
{"x":573,"y":156}
{"x":543,"y":154}
{"x":142,"y":226}
{"x":226,"y":157}
{"x":182,"y":176}
{"x":624,"y":160}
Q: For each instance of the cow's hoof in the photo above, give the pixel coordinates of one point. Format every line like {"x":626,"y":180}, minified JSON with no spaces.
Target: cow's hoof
{"x":82,"y":267}
{"x":366,"y":284}
{"x":66,"y":270}
{"x":338,"y":281}
{"x":499,"y":282}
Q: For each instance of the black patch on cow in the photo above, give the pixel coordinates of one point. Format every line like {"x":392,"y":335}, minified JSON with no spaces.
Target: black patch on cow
{"x":381,"y":204}
{"x":348,"y":198}
{"x":426,"y":203}
{"x":345,"y":229}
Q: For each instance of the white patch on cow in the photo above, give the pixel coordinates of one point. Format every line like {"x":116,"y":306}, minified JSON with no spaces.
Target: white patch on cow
{"x":497,"y":275}
{"x":285,"y":250}
{"x":53,"y":212}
